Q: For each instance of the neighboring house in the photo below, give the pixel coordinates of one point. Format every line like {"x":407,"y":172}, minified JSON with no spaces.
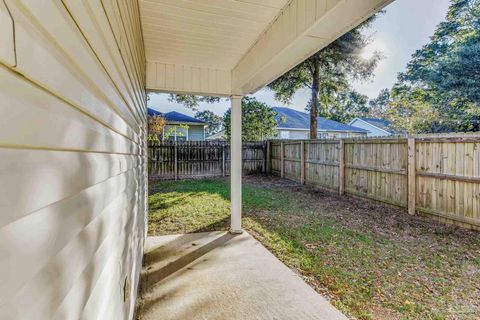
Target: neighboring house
{"x":375,"y":127}
{"x":217,"y":136}
{"x":181,"y":127}
{"x":293,"y":124}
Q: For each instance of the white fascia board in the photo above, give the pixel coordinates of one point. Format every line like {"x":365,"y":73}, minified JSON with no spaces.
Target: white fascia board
{"x":355,"y":119}
{"x":301,"y":29}
{"x":293,"y":129}
{"x":372,"y":125}
{"x":183,"y":122}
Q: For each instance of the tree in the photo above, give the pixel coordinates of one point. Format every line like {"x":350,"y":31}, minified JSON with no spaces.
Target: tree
{"x":328,"y":72}
{"x":214,"y":122}
{"x":191,"y":101}
{"x":443,"y":75}
{"x":411,"y":111}
{"x":346,"y":106}
{"x":378,"y":106}
{"x":458,"y":72}
{"x":177,"y":131}
{"x":258,"y":120}
{"x":156,"y":124}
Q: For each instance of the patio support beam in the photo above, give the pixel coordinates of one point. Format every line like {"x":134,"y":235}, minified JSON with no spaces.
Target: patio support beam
{"x":302,"y":28}
{"x":236,"y":164}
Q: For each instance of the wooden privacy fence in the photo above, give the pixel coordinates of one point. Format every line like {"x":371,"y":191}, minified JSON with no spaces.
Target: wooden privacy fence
{"x":191,"y":159}
{"x":438,"y":176}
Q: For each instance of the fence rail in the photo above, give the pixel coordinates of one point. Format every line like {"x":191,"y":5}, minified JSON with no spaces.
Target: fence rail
{"x":191,"y":159}
{"x":438,"y":176}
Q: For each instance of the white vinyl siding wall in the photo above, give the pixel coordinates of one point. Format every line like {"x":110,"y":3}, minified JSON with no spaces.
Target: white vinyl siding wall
{"x":72,"y":158}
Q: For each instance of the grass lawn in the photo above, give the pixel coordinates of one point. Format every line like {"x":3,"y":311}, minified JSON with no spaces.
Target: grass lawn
{"x":372,"y":261}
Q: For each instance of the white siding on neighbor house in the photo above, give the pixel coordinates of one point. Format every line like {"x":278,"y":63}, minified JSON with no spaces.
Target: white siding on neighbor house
{"x":293,"y":134}
{"x":196,"y":133}
{"x":298,"y":135}
{"x":284,"y":134}
{"x":305,"y":134}
{"x":372,"y":130}
{"x":72,"y":159}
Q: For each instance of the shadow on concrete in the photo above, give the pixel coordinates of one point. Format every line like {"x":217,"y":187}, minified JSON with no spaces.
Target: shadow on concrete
{"x":151,"y":278}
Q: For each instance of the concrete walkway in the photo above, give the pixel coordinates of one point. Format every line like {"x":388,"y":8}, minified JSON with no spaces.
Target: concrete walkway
{"x":217,"y":275}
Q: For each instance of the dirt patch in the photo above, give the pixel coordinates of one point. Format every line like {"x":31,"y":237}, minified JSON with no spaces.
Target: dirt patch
{"x":365,"y":214}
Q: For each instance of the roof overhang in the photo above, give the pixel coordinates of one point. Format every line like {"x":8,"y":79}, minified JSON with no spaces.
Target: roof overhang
{"x":223,"y":48}
{"x":370,"y":124}
{"x":186,"y":123}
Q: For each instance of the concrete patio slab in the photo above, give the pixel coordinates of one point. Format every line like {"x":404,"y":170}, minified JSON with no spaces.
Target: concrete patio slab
{"x":217,"y":275}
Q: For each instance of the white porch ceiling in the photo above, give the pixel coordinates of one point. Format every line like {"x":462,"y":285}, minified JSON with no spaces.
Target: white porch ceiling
{"x":224,"y":47}
{"x":207,"y":33}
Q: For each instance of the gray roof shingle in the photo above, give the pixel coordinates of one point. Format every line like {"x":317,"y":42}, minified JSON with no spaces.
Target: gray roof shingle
{"x":380,"y":123}
{"x":174,"y":116}
{"x":293,"y":119}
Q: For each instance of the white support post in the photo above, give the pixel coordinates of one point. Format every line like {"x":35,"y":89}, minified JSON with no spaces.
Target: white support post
{"x":236,"y":164}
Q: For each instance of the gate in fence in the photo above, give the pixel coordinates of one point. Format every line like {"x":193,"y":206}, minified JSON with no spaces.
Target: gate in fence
{"x":195,"y":159}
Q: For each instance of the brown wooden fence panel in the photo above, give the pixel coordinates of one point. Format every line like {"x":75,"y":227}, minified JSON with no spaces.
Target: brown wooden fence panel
{"x":442,"y":180}
{"x":291,"y":153}
{"x":321,"y":163}
{"x":162,"y":161}
{"x":194,"y":159}
{"x":254,"y":157}
{"x":275,"y":153}
{"x":448,"y":178}
{"x":377,"y":169}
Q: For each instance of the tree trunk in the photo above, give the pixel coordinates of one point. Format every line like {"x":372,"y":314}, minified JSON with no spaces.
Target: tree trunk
{"x":314,"y":106}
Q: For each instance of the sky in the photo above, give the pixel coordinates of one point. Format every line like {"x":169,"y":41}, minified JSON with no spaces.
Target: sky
{"x":405,"y":27}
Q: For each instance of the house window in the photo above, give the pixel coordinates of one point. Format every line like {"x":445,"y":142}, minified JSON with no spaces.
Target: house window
{"x":176,"y":132}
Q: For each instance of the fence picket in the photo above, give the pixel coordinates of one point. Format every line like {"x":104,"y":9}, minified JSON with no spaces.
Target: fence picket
{"x":433,"y":175}
{"x":191,"y":159}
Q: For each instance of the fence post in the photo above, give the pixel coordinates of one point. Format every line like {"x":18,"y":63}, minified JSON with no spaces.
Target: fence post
{"x":411,"y":176}
{"x":264,"y":152}
{"x":341,"y":168}
{"x":302,"y":162}
{"x":176,"y":159}
{"x":282,"y":160}
{"x":223,"y":159}
{"x":268,"y":156}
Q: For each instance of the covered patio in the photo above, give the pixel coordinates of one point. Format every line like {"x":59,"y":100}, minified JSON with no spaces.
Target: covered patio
{"x":230,"y":49}
{"x":219,"y":275}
